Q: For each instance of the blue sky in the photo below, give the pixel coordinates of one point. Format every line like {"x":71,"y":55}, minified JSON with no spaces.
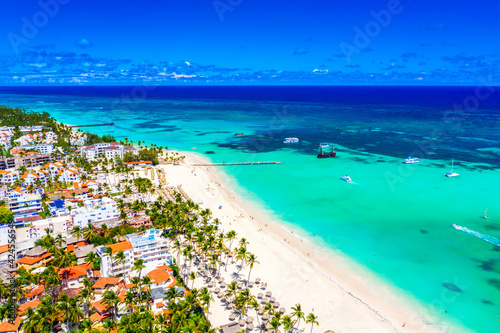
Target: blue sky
{"x":249,"y":41}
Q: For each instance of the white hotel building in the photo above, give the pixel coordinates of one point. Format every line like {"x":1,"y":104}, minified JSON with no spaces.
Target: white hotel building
{"x":151,"y":246}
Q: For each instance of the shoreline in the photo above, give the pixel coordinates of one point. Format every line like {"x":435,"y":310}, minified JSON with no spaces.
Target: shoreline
{"x":366,"y":302}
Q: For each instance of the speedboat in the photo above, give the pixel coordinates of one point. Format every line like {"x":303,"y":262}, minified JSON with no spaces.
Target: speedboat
{"x":451,"y":173}
{"x":411,"y":160}
{"x":291,"y":140}
{"x":346,"y":178}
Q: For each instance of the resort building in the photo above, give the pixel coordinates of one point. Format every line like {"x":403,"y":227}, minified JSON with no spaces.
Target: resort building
{"x":69,"y":175}
{"x":34,"y":229}
{"x":152,"y":247}
{"x":27,"y":129}
{"x":30,"y":178}
{"x":21,"y":202}
{"x":95,"y":210}
{"x":8,"y":177}
{"x":42,"y":148}
{"x":107,"y":150}
{"x":7,"y":163}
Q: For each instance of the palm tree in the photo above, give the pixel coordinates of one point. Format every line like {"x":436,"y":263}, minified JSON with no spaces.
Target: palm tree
{"x":89,"y":232}
{"x":139,"y":266}
{"x":76,"y":231}
{"x":192,"y":277}
{"x":251,"y":260}
{"x":120,"y":258}
{"x":287,"y":323}
{"x":93,"y":259}
{"x":297,"y":313}
{"x":232,"y":289}
{"x":111,"y":299}
{"x":311,"y":319}
{"x":243,"y":299}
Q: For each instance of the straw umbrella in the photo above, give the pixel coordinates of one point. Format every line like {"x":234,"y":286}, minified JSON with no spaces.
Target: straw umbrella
{"x":260,"y":295}
{"x":241,"y":323}
{"x":268,"y":294}
{"x":272,"y":299}
{"x":282,"y":310}
{"x":250,"y":284}
{"x":232,"y":316}
{"x":249,"y":320}
{"x":250,"y":327}
{"x":276,"y":305}
{"x":257,"y":280}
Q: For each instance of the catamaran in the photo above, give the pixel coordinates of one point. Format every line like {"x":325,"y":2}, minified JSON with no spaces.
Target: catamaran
{"x":411,"y":160}
{"x":451,"y":173}
{"x":291,"y":140}
{"x":346,"y":178}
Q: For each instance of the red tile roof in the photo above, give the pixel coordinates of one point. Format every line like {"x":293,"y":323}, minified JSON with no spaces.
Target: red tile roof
{"x":104,"y":282}
{"x":31,"y":304}
{"x":122,"y":246}
{"x":74,"y":272}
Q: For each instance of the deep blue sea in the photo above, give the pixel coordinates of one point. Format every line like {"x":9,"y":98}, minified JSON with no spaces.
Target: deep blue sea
{"x":395,"y":219}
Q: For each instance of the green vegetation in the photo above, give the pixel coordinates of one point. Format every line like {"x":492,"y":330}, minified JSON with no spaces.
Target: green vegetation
{"x":6,"y":216}
{"x":146,"y":154}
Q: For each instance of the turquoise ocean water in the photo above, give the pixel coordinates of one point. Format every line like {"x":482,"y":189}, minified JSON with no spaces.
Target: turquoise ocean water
{"x":394,"y":219}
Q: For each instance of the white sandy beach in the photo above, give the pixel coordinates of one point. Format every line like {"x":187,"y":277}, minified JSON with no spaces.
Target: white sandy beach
{"x":344,"y":296}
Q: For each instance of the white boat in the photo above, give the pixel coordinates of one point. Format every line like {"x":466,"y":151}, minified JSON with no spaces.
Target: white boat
{"x":346,"y":178}
{"x":451,"y":173}
{"x":411,"y":160}
{"x":324,"y":145}
{"x":291,"y":140}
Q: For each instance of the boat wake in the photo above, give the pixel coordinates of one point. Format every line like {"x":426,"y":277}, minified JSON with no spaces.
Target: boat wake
{"x":489,"y":239}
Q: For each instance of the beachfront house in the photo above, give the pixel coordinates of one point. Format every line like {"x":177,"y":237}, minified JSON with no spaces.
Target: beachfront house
{"x":109,"y":150}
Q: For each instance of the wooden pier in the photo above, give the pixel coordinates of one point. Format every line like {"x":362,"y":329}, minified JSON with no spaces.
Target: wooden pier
{"x":107,"y":124}
{"x":238,"y":163}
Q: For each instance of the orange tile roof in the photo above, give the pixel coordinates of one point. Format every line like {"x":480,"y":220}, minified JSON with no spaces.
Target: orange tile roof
{"x":74,"y":272}
{"x":4,"y":248}
{"x":122,"y":246}
{"x":82,"y":243}
{"x":31,"y":304}
{"x":99,"y":306}
{"x":97,"y":273}
{"x":98,"y":317}
{"x":104,"y":282}
{"x":8,"y":327}
{"x":36,"y":291}
{"x":160,"y":304}
{"x":71,"y":247}
{"x":159,"y":275}
{"x":33,"y":260}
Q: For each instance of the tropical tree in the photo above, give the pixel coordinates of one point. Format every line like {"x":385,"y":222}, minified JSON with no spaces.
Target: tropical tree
{"x":251,"y":260}
{"x":312,"y":319}
{"x":297,"y":313}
